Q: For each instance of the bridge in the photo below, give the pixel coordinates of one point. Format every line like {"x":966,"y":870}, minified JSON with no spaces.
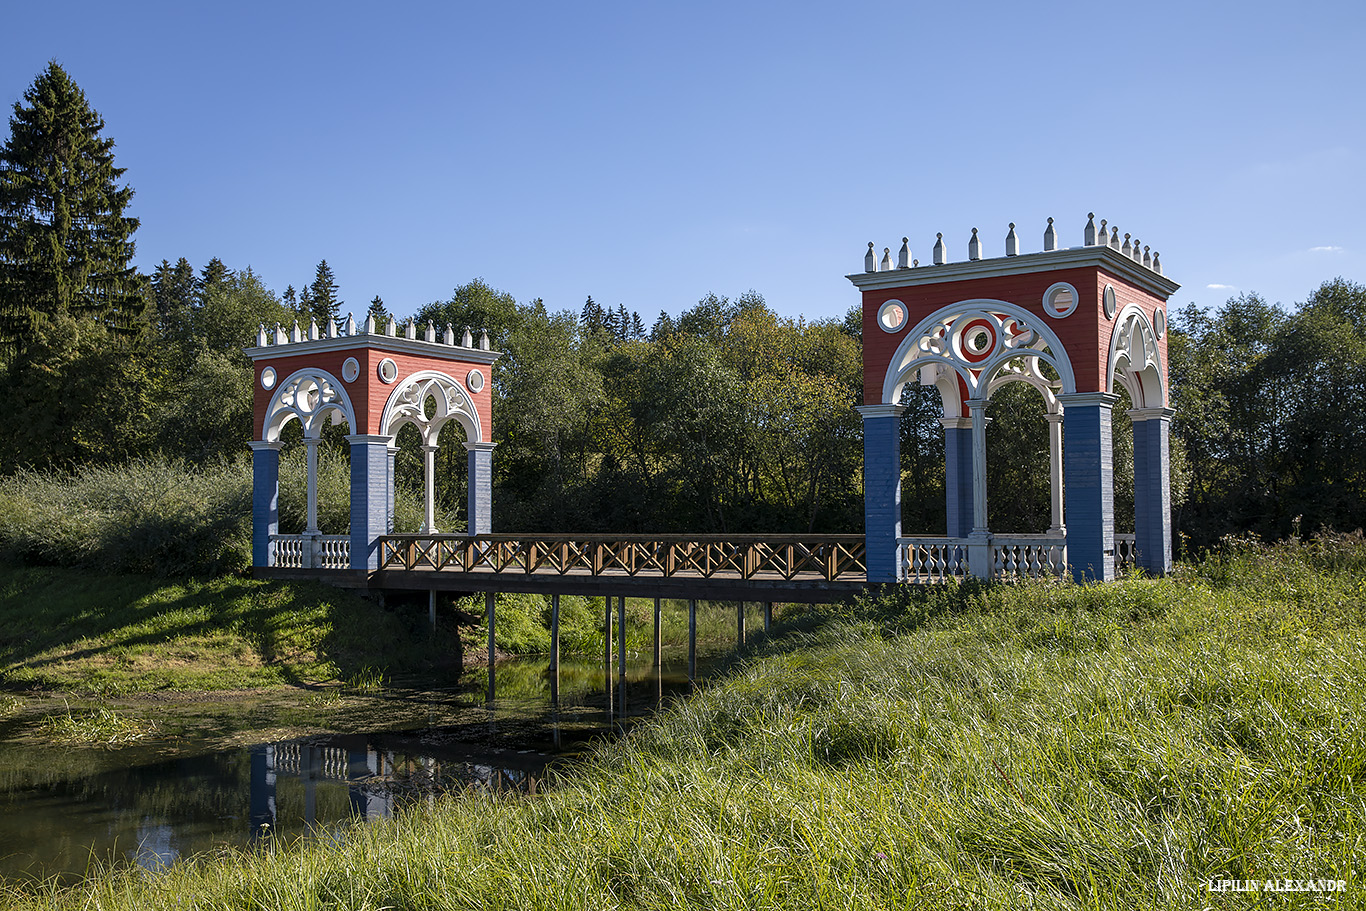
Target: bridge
{"x":1076,"y":324}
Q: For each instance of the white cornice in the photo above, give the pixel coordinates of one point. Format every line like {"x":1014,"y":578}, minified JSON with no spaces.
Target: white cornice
{"x":390,"y":343}
{"x":1104,"y":257}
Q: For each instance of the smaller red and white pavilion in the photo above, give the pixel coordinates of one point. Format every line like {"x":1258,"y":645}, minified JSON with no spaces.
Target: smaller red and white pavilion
{"x":375,"y":382}
{"x":1075,"y":324}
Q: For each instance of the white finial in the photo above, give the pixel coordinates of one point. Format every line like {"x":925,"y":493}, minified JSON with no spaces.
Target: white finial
{"x":1012,"y":242}
{"x":870,"y":259}
{"x":448,"y":338}
{"x":1050,"y":237}
{"x":1114,"y":238}
{"x":1126,"y":249}
{"x":294,"y":334}
{"x":313,"y":330}
{"x":1157,"y":262}
{"x":466,"y":339}
{"x":1147,"y":257}
{"x":280,"y":337}
{"x":392,"y":328}
{"x":410,"y":328}
{"x":1138,"y":252}
{"x":430,"y":334}
{"x":903,"y":259}
{"x":350,"y":324}
{"x":261,"y":336}
{"x":974,"y":246}
{"x":1103,"y":235}
{"x":915,"y":263}
{"x":939,"y":249}
{"x":483,"y":340}
{"x":886,"y":259}
{"x":368,"y":327}
{"x":331,"y":327}
{"x":1089,"y":235}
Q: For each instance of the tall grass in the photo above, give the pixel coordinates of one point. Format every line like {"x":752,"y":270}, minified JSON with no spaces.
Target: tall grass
{"x":1041,"y":746}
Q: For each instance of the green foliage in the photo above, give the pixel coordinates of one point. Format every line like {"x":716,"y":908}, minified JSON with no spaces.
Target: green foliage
{"x":326,"y":305}
{"x":66,"y":247}
{"x":156,"y":516}
{"x":1047,"y":746}
{"x":102,"y":727}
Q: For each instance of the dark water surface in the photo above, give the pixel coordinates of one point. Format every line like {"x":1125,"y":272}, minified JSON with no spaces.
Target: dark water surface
{"x":226,"y":773}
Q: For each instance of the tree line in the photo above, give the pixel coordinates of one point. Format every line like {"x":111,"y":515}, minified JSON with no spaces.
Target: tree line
{"x":725,"y":418}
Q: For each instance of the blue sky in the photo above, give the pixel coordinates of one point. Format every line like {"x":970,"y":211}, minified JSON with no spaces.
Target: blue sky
{"x":648,"y":153}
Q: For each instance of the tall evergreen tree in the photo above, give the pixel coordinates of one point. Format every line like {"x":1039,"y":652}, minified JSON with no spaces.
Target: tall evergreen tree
{"x":326,"y":304}
{"x":66,"y":247}
{"x":379,"y":311}
{"x":174,"y":290}
{"x":214,"y":276}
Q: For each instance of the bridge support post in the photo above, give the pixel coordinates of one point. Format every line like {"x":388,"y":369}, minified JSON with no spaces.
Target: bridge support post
{"x":658,"y":662}
{"x":740,"y":624}
{"x":768,"y":616}
{"x":431,"y":608}
{"x":1152,"y":489}
{"x":607,"y":652}
{"x":555,"y":650}
{"x":265,"y":501}
{"x":621,"y":646}
{"x":370,"y":483}
{"x":480,"y":481}
{"x":488,"y":610}
{"x":692,"y":639}
{"x":882,"y":490}
{"x":1088,"y":466}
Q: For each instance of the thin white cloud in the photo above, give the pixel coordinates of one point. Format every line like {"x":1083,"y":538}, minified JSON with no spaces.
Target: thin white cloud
{"x":1221,"y":287}
{"x":1325,"y":249}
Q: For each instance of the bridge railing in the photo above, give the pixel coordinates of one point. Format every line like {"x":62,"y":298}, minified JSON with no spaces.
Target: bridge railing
{"x":808,"y":557}
{"x":310,"y":551}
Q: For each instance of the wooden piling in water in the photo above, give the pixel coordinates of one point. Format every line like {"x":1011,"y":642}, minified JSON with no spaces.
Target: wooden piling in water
{"x":658,"y":653}
{"x":768,"y":615}
{"x":692,"y":638}
{"x":488,"y":610}
{"x":739,"y":624}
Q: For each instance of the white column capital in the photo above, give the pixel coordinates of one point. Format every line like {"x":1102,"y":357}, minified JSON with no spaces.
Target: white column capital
{"x":265,"y":445}
{"x":384,"y":438}
{"x":880,"y":411}
{"x":430,"y":447}
{"x":956,"y":423}
{"x":1151,"y":414}
{"x":1082,"y":399}
{"x":480,"y":447}
{"x":1053,"y":417}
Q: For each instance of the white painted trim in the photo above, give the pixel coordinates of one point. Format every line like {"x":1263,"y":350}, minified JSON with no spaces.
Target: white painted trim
{"x":1149,"y":379}
{"x":1101,"y":256}
{"x":1059,"y":286}
{"x":259,"y":445}
{"x":465,"y":413}
{"x":1151,"y":414}
{"x":355,"y":438}
{"x":1082,"y":399}
{"x":897,"y":377}
{"x":311,"y":423}
{"x":481,"y":447}
{"x":880,"y":411}
{"x":388,"y":343}
{"x":905,"y":316}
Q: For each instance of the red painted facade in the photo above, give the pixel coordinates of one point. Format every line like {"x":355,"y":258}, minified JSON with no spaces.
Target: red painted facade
{"x":1085,"y":333}
{"x":368,"y":393}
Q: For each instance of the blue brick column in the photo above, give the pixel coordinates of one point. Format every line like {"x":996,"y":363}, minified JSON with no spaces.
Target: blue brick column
{"x":265,"y":500}
{"x":882,"y":490}
{"x":480,"y":482}
{"x":1088,"y":471}
{"x":958,"y":475}
{"x":370,"y":492}
{"x":1152,"y":489}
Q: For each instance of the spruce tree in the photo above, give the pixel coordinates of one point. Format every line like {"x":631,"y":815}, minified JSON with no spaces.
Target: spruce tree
{"x":379,"y":311}
{"x":214,"y":276}
{"x":326,"y":304}
{"x":174,"y":289}
{"x":66,"y":247}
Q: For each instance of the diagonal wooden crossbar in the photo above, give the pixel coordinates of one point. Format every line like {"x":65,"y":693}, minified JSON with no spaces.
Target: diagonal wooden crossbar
{"x":790,"y":558}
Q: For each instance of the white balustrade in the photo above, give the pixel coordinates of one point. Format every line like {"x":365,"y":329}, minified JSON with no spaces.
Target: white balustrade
{"x":932,"y":559}
{"x":1028,"y":556}
{"x":311,"y":551}
{"x":1126,"y":552}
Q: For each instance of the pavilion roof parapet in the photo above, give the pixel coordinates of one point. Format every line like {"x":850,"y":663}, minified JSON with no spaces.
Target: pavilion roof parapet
{"x":1130,"y":247}
{"x":279,"y":336}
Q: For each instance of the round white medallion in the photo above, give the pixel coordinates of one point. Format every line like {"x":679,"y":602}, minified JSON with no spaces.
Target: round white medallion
{"x":268,"y":378}
{"x":1109,"y":299}
{"x":891,"y":316}
{"x":1160,"y":323}
{"x":1060,"y":300}
{"x":350,"y":369}
{"x":388,"y":370}
{"x":474,"y":380}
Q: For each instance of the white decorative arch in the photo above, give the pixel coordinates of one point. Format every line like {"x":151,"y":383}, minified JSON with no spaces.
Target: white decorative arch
{"x":408,"y":405}
{"x":309,"y":396}
{"x":975,"y":340}
{"x":1026,"y":370}
{"x":1135,"y":361}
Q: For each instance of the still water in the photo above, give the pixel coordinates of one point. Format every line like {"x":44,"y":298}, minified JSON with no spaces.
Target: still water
{"x":227,"y":773}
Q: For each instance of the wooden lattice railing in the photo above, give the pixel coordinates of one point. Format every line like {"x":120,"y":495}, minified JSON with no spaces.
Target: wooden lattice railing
{"x":789,"y":558}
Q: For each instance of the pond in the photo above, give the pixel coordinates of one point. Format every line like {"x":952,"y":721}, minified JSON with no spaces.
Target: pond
{"x":229,"y":771}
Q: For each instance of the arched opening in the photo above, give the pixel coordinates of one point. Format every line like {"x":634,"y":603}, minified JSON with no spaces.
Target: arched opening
{"x":1019,"y":484}
{"x":923,"y":509}
{"x":331,"y":483}
{"x":449,"y":481}
{"x":433,"y":424}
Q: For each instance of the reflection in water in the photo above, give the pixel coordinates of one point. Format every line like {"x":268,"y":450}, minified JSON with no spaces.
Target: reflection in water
{"x":150,"y":804}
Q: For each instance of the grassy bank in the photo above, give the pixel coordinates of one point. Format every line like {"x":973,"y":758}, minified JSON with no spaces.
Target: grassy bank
{"x":1039,"y":746}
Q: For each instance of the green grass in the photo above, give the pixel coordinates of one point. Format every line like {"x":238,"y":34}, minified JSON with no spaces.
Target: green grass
{"x":1045,"y":746}
{"x":103,"y":727}
{"x":91,"y":633}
